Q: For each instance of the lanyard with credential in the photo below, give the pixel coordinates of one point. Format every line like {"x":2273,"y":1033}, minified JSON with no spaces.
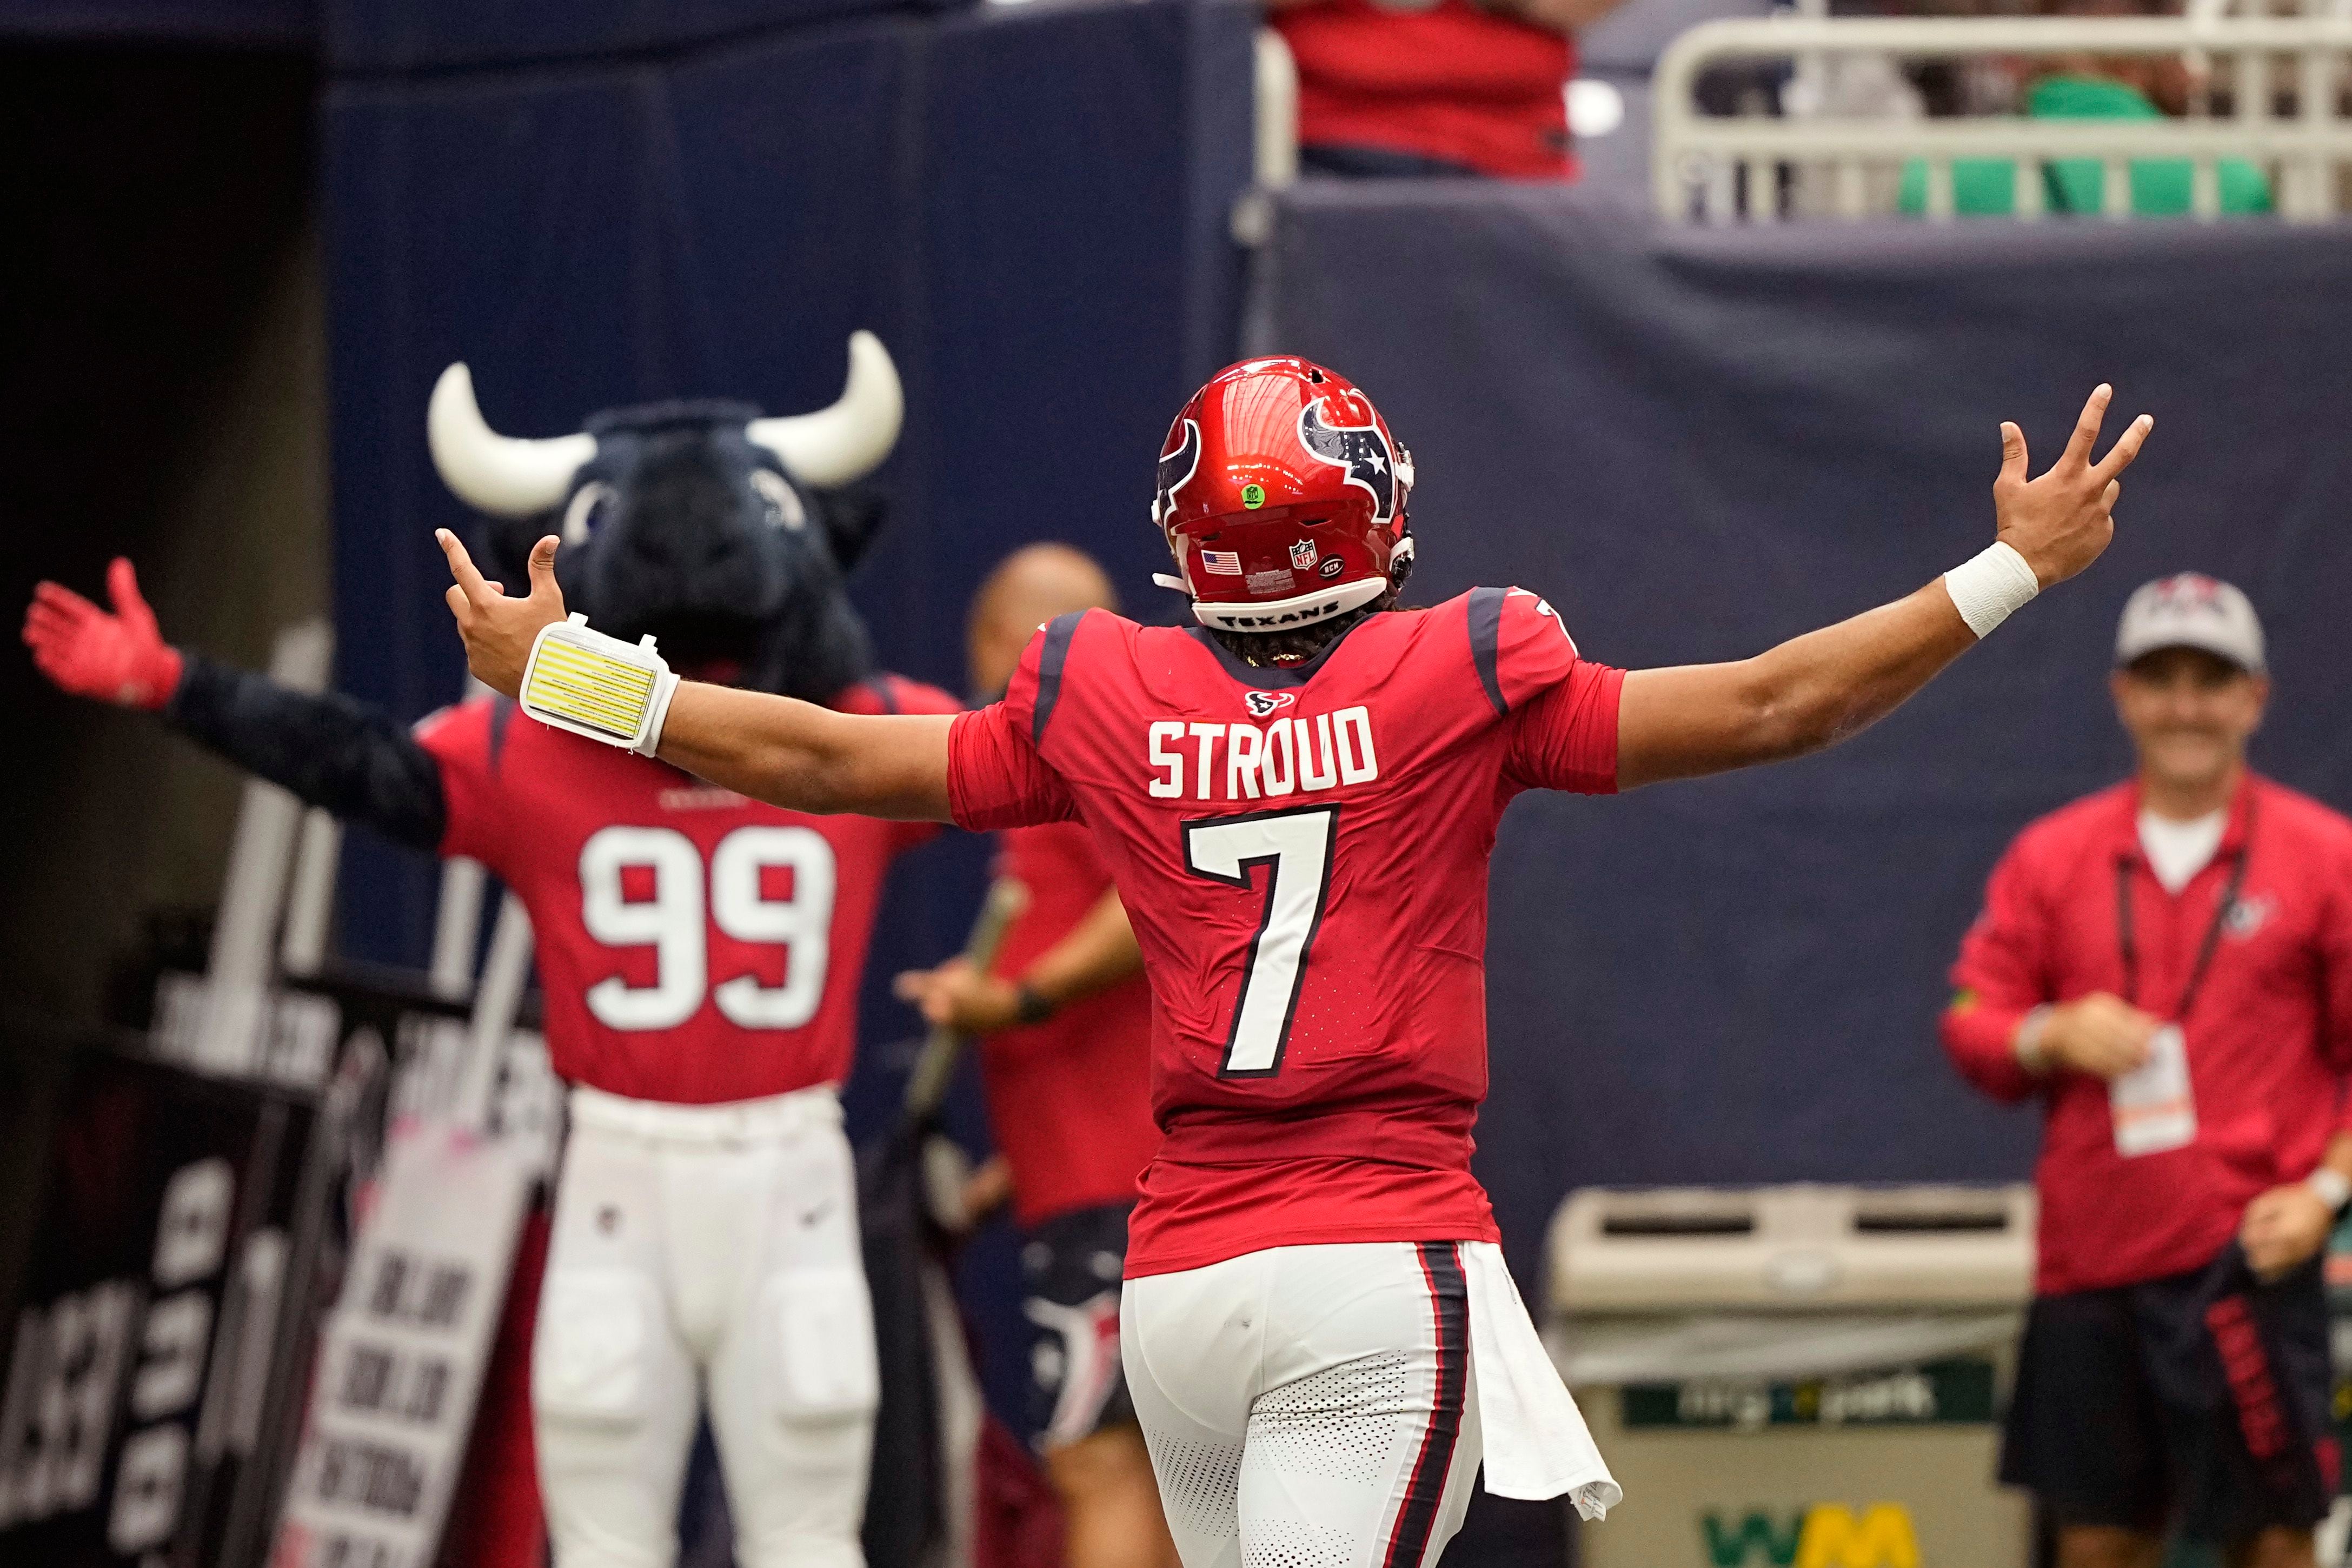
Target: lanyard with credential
{"x":2212,"y":932}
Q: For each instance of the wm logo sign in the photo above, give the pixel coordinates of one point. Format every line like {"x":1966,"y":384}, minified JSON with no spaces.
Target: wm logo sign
{"x":1826,"y":1535}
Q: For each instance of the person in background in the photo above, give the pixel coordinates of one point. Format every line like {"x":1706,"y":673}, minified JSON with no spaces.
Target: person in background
{"x":2095,"y":87}
{"x":2166,"y":965}
{"x":1436,"y":87}
{"x":1064,"y":1019}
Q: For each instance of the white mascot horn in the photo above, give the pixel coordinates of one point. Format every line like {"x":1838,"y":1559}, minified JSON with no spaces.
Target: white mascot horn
{"x":847,"y":441}
{"x":497,"y":474}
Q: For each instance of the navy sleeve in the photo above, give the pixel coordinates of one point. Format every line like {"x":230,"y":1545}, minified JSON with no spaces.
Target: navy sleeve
{"x":330,"y":751}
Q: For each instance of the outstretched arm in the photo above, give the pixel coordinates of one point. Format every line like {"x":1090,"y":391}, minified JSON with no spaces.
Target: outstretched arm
{"x":353,"y":759}
{"x":350,"y":757}
{"x":806,"y":758}
{"x":787,"y":753}
{"x":1820,"y":689}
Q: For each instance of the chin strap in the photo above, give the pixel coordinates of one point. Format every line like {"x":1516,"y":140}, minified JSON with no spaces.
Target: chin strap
{"x":1169,"y":580}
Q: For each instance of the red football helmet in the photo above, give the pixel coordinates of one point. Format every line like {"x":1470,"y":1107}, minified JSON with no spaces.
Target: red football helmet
{"x":1282,"y":496}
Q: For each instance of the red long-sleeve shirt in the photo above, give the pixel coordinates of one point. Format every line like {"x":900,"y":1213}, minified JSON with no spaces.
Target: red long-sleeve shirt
{"x":2268,"y":1033}
{"x":1069,"y":1099}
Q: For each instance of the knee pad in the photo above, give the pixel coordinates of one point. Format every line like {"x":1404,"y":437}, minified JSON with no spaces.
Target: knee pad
{"x":816,"y":1337}
{"x":591,"y":1352}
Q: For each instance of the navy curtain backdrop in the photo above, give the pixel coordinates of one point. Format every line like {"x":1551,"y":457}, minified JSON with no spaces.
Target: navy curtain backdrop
{"x":1029,"y":207}
{"x":1698,"y":443}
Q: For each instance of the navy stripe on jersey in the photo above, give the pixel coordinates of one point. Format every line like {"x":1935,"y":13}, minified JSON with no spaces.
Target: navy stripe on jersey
{"x":502,"y":714}
{"x":1057,"y":653}
{"x":1485,"y":637}
{"x":1449,"y":1296}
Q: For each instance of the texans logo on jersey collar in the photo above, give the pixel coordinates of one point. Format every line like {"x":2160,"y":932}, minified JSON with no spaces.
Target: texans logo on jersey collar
{"x":1360,"y":449}
{"x":1176,"y":470}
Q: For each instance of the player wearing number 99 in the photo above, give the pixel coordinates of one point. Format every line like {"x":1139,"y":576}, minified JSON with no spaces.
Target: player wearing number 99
{"x":700,"y":951}
{"x":1297,"y":798}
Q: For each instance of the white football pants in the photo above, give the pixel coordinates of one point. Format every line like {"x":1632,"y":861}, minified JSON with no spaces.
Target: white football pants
{"x":705,"y":1251}
{"x":1309,"y":1407}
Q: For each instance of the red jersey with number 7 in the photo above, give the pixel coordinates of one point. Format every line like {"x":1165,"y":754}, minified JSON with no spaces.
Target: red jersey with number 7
{"x":1303,"y":854}
{"x":693,"y":946}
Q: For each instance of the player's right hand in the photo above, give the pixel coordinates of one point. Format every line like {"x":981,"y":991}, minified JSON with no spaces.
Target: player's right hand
{"x":2060,"y":521}
{"x":121,"y":659}
{"x":499,"y":631}
{"x":2101,"y":1035}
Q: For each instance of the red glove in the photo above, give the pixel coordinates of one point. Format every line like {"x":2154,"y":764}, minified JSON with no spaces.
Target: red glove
{"x":121,"y":659}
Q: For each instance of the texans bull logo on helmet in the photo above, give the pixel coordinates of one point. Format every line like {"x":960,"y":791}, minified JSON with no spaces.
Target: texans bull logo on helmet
{"x":1360,"y":449}
{"x":1176,"y":470}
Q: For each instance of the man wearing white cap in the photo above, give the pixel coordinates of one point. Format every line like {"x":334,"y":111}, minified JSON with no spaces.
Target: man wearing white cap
{"x":2167,"y":966}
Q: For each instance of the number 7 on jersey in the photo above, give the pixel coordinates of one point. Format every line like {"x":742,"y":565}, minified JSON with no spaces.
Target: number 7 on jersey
{"x":1296,"y":845}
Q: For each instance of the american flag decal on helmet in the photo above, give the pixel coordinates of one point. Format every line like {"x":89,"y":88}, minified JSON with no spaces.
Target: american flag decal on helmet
{"x":1222,"y":562}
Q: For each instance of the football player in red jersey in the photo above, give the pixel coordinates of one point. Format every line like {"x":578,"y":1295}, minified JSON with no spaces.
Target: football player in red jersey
{"x":1298,"y":799}
{"x":700,"y":951}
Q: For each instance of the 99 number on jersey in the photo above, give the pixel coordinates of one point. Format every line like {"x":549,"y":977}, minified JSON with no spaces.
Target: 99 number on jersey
{"x":1296,"y":845}
{"x":684,"y":904}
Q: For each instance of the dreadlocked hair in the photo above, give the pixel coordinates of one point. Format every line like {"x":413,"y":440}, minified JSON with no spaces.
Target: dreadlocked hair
{"x":1298,"y":644}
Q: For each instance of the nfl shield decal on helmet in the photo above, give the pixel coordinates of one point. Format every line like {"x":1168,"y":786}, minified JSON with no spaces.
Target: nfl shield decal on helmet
{"x":1360,"y":449}
{"x":1176,"y":470}
{"x":1302,"y":554}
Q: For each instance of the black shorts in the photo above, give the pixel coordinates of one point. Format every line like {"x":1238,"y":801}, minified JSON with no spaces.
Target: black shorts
{"x":1069,"y":1281}
{"x":2200,"y":1399}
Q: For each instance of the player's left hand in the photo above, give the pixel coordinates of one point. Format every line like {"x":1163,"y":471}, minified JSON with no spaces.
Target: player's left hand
{"x":956,"y":996}
{"x":2282,"y":1227}
{"x":2060,"y":521}
{"x":498,"y":631}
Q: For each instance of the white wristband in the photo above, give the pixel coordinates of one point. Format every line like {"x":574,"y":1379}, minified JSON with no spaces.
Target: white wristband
{"x":2329,"y":1185}
{"x":665,"y":687}
{"x":1990,"y":586}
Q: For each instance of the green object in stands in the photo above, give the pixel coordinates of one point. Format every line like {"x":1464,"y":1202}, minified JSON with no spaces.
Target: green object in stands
{"x":1987,"y":187}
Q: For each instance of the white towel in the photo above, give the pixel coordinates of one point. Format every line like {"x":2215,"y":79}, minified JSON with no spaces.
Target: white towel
{"x":1536,"y":1443}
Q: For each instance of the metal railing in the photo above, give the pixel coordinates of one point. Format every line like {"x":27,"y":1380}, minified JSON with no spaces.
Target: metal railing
{"x":1720,"y":169}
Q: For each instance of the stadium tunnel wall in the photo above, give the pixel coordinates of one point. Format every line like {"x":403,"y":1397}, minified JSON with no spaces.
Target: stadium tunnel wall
{"x":164,"y":396}
{"x":1699,"y":442}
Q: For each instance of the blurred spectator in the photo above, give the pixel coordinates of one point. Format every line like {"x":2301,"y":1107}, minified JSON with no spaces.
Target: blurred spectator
{"x":2159,"y":187}
{"x":1442,"y":88}
{"x":1064,"y":1019}
{"x":2167,"y":966}
{"x":2095,"y":87}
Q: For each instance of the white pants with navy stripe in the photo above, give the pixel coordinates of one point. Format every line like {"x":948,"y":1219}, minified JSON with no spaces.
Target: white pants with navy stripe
{"x":1309,"y":1407}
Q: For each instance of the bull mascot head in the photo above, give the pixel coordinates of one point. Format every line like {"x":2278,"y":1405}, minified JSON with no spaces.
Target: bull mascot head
{"x":725,"y":535}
